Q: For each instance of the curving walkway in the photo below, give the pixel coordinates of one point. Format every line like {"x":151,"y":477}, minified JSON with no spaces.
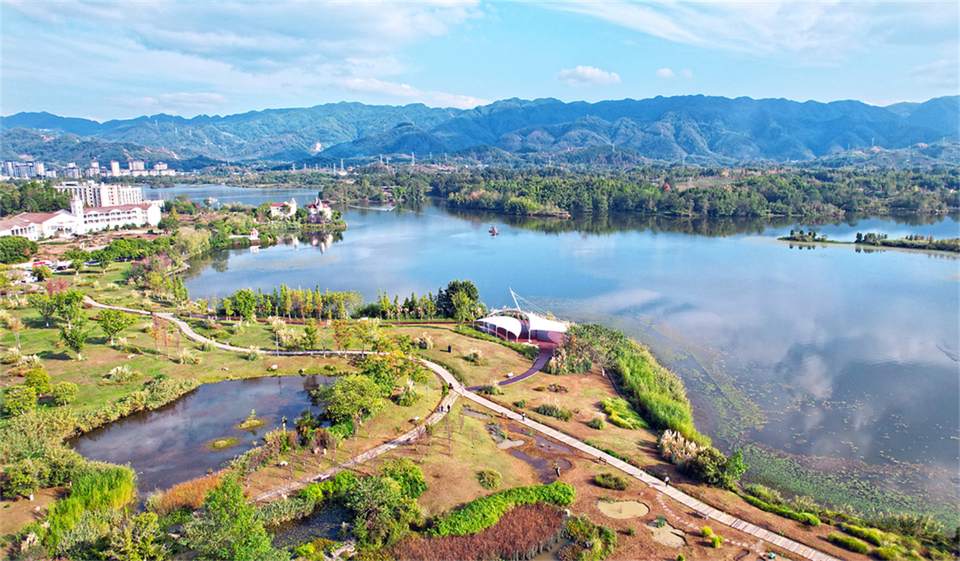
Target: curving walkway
{"x":458,"y":390}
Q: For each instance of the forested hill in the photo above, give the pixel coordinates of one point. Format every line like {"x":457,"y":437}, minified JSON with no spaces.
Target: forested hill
{"x":694,"y":129}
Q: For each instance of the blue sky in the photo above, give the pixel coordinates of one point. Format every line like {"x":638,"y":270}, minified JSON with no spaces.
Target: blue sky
{"x":118,"y":60}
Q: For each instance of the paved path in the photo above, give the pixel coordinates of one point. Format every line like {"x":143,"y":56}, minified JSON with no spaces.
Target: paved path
{"x":704,"y":510}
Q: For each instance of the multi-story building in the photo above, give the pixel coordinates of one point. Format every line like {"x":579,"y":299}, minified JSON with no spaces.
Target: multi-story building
{"x":115,"y":169}
{"x":98,"y":195}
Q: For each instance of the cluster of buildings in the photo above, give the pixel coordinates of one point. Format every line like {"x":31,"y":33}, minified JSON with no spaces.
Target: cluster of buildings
{"x":93,"y":207}
{"x":134,"y":168}
{"x":317,"y":211}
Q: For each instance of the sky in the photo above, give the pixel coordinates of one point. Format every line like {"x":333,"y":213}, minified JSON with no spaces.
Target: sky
{"x":104,"y":60}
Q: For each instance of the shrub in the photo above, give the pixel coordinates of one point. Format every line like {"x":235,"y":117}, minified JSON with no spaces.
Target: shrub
{"x":557,"y":388}
{"x":808,"y":519}
{"x":492,"y":388}
{"x":850,"y":544}
{"x":621,"y":414}
{"x":424,"y":341}
{"x":486,"y":511}
{"x":716,"y":541}
{"x":521,"y":533}
{"x":489,"y":479}
{"x":521,"y":403}
{"x":64,"y":392}
{"x":19,"y":399}
{"x":706,"y":532}
{"x":12,"y":356}
{"x":877,"y":537}
{"x":120,"y":375}
{"x":38,"y":379}
{"x":207,"y":346}
{"x":887,"y":553}
{"x":610,"y":481}
{"x":476,"y":357}
{"x":253,"y":353}
{"x":186,"y":356}
{"x":556,"y":411}
{"x":408,"y":395}
{"x":597,"y":423}
{"x":763,"y":493}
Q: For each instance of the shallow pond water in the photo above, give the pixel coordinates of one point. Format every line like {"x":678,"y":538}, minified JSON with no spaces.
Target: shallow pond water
{"x":171,"y":444}
{"x":325,"y":523}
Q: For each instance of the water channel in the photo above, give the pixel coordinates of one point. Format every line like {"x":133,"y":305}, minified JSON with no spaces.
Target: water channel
{"x":817,"y":351}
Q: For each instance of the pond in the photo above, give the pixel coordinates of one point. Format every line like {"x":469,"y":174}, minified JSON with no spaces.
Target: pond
{"x":171,"y":445}
{"x":821,"y":351}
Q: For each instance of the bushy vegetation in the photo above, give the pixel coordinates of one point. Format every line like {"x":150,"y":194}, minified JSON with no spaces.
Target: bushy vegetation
{"x":597,"y":423}
{"x":16,"y":249}
{"x":621,"y":415}
{"x":32,"y":196}
{"x":848,"y":543}
{"x":489,"y":479}
{"x":909,"y":242}
{"x":555,"y":411}
{"x":806,"y":518}
{"x":588,"y":541}
{"x":521,"y":533}
{"x":610,"y":481}
{"x":278,"y":512}
{"x":97,"y":488}
{"x":486,"y":511}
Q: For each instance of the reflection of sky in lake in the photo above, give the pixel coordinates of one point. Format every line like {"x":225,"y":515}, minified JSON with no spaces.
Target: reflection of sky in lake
{"x":856,"y":346}
{"x":169,"y":445}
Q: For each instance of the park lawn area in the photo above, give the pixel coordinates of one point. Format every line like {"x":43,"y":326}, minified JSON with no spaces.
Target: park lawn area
{"x":450,"y":466}
{"x":500,"y":359}
{"x":585,"y":391}
{"x":99,"y":359}
{"x":255,"y":333}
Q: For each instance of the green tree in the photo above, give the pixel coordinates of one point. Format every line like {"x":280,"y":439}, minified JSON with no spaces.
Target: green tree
{"x":180,"y":293}
{"x":225,"y":527}
{"x":407,"y":474}
{"x":383,"y":512}
{"x":16,"y":249}
{"x":19,"y":400}
{"x":113,"y":322}
{"x":462,"y":307}
{"x":45,"y":305}
{"x":75,"y":337}
{"x":64,"y":392}
{"x":245,"y":303}
{"x":351,"y":396}
{"x":69,"y":305}
{"x":733,"y":469}
{"x":42,"y":272}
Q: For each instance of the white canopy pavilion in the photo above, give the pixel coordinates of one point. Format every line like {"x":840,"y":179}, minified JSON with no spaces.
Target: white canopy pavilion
{"x":517,"y":324}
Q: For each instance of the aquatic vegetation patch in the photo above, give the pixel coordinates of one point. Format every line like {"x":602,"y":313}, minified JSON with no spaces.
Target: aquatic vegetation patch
{"x":223,"y":443}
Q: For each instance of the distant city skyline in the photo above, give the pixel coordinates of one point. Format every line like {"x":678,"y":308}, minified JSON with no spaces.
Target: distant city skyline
{"x":121,"y":60}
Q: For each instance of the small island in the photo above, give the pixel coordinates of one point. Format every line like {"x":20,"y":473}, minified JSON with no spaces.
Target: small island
{"x":925,"y":243}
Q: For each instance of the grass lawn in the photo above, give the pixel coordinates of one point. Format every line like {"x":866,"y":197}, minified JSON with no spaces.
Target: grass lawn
{"x":500,"y":359}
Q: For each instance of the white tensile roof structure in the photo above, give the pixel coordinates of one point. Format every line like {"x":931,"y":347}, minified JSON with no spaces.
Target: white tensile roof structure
{"x":506,"y":322}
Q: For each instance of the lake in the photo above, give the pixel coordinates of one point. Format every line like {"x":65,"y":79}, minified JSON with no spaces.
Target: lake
{"x":815,"y":351}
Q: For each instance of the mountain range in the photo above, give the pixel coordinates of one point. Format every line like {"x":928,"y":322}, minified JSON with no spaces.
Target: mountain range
{"x":686,"y":128}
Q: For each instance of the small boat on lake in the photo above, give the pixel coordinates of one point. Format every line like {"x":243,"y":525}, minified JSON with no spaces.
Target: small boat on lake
{"x":493,"y":231}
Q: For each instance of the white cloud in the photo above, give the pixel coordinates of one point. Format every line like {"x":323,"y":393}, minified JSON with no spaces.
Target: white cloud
{"x":665,"y":73}
{"x":811,"y":32}
{"x":587,"y":76}
{"x":406,"y":91}
{"x":175,"y":103}
{"x":941,"y":74}
{"x":686,"y":73}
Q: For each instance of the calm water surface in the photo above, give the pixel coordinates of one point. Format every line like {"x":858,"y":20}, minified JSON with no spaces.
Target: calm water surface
{"x":169,"y":445}
{"x":825,"y":351}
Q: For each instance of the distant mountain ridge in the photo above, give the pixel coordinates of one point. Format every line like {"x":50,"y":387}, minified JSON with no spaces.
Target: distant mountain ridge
{"x":685,"y":128}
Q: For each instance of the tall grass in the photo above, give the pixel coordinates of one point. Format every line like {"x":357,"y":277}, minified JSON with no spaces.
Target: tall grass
{"x":97,"y":488}
{"x":189,"y":495}
{"x":621,"y":415}
{"x":486,"y":511}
